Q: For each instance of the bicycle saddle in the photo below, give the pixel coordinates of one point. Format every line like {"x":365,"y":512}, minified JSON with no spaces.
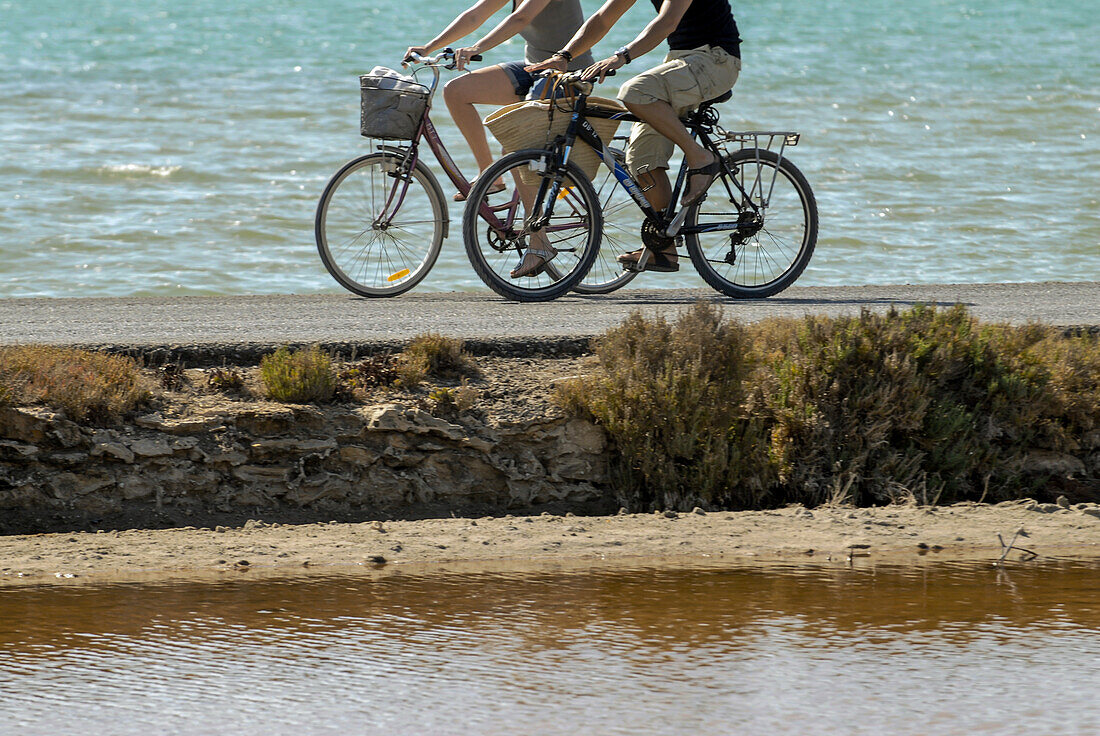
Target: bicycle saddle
{"x":720,"y":98}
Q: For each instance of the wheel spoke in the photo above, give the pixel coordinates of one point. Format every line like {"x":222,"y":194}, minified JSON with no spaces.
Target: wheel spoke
{"x":572,"y":230}
{"x":364,"y":252}
{"x":775,"y":254}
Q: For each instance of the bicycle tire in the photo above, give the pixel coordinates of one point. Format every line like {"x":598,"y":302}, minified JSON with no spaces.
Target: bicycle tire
{"x":492,"y":255}
{"x":622,"y":227}
{"x":771,"y":259}
{"x":367,"y":259}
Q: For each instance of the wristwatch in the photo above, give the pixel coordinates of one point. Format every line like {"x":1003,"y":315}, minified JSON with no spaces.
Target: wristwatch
{"x":623,"y":52}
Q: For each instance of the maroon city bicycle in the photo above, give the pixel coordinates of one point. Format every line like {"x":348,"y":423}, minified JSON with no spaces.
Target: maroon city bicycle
{"x":383,"y":217}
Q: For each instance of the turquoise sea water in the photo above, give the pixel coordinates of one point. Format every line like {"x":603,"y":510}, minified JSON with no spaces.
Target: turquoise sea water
{"x":163,"y":148}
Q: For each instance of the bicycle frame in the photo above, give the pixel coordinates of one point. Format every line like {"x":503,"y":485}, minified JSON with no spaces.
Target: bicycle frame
{"x":669,"y":221}
{"x":411,"y":154}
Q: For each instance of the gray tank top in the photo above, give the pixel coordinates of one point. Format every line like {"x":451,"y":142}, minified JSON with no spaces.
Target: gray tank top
{"x":551,"y":30}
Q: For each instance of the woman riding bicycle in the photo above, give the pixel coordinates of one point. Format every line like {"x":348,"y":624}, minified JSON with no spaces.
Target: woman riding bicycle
{"x":546,"y":25}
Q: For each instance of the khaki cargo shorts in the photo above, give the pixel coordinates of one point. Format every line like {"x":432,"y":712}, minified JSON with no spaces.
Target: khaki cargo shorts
{"x":686,"y":79}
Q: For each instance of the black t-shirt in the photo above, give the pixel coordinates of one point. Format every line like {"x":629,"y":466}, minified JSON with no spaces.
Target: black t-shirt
{"x":706,"y":22}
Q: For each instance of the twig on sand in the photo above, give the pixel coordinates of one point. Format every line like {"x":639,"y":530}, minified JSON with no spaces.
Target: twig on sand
{"x":1006,"y":548}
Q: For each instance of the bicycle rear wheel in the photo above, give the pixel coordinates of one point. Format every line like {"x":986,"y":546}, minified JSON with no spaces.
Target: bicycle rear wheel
{"x":574,"y":229}
{"x":379,"y":226}
{"x":773,"y":246}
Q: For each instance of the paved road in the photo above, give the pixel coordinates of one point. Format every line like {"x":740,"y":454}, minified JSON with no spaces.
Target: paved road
{"x":340,"y":318}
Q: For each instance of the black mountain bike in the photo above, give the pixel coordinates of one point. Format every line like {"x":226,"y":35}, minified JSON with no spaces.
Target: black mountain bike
{"x":750,"y":237}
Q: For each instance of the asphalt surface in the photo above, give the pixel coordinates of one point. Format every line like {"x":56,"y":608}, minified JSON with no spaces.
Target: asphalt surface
{"x":346,"y":319}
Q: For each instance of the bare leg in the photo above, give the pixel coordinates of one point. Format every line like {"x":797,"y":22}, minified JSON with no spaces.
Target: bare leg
{"x":656,"y":187}
{"x":490,"y":86}
{"x":658,"y":191}
{"x":535,"y":241}
{"x":666,"y":122}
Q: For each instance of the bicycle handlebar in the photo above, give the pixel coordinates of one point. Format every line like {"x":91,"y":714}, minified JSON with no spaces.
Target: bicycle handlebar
{"x":573,"y":79}
{"x":570,"y":77}
{"x":447,"y":54}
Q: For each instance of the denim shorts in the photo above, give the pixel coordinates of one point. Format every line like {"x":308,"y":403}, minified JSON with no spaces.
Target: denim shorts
{"x":526,"y":85}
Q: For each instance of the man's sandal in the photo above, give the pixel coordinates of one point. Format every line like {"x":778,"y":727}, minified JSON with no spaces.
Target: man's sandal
{"x":711,"y":172}
{"x":460,"y":197}
{"x":658,"y":260}
{"x":528,"y":267}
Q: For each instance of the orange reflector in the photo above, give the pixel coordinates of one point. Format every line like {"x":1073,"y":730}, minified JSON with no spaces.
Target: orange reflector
{"x":564,"y":192}
{"x":399,"y":275}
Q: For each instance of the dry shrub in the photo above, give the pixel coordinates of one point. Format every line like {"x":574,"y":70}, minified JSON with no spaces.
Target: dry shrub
{"x":225,"y":380}
{"x":436,"y":356}
{"x":172,"y":376}
{"x":671,"y":397}
{"x":299,"y":377}
{"x":374,"y":370}
{"x":923,"y":404}
{"x":86,"y":386}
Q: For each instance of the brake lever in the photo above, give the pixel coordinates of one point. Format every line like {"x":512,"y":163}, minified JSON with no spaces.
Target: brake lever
{"x":451,"y":53}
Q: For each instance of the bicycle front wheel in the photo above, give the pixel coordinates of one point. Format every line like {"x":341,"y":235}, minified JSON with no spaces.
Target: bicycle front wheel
{"x":380,"y":225}
{"x":497,"y":236}
{"x":776,"y":238}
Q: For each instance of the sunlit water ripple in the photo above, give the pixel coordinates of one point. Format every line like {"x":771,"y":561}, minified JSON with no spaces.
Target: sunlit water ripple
{"x":156,"y":148}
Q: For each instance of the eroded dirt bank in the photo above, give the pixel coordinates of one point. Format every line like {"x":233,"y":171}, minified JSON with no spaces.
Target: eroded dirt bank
{"x":203,"y":454}
{"x":897,"y":534}
{"x":343,"y":486}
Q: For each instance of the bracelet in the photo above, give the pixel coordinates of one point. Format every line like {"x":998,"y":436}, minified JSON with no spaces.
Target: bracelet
{"x":565,"y":55}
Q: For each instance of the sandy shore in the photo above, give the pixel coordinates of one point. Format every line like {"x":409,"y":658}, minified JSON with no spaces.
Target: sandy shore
{"x":896,"y":534}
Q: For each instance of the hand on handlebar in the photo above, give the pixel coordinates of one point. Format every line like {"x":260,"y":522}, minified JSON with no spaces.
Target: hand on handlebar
{"x":553,"y":64}
{"x":414,"y":53}
{"x":601,"y":69}
{"x":464,"y":56}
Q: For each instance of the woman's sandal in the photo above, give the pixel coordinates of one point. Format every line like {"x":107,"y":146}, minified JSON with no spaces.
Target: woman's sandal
{"x":460,"y":197}
{"x":659,"y":260}
{"x":711,"y":171}
{"x":527,"y":269}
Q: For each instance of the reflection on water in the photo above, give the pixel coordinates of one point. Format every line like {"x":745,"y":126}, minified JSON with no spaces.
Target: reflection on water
{"x":942,"y":649}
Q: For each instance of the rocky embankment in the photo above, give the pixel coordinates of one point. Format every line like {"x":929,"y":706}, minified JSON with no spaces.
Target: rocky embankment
{"x":214,"y":460}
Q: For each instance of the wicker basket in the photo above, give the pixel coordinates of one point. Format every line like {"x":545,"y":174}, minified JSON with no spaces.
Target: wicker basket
{"x":391,"y":109}
{"x":527,"y":125}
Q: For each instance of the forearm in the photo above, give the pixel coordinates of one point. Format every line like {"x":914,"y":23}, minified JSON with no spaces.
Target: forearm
{"x":651,"y":36}
{"x":597,"y":26}
{"x":462,"y":26}
{"x":587,"y":36}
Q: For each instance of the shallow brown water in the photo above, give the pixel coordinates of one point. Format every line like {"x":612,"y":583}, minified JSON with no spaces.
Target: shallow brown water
{"x":943,"y":649}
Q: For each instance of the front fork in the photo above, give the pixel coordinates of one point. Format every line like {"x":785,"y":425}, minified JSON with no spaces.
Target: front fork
{"x":547,"y":197}
{"x":402,"y":175}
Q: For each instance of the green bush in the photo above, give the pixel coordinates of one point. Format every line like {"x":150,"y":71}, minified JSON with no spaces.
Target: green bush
{"x":300,"y":377}
{"x":923,"y":404}
{"x":85,"y":385}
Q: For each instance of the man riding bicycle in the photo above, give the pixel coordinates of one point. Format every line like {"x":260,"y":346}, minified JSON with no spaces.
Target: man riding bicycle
{"x":703,"y":62}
